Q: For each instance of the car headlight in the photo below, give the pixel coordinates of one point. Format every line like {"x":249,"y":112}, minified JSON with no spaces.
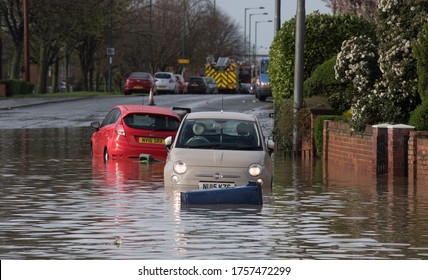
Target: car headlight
{"x":180,"y":167}
{"x":255,"y":169}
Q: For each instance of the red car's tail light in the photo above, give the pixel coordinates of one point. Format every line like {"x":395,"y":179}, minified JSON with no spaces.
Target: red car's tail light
{"x":120,"y":130}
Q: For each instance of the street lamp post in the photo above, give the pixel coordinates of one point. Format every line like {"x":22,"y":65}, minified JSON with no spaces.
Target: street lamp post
{"x":245,"y":26}
{"x":255,"y":37}
{"x":249,"y":36}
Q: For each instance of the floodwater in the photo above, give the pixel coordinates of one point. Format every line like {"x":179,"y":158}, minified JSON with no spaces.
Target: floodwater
{"x":58,"y":203}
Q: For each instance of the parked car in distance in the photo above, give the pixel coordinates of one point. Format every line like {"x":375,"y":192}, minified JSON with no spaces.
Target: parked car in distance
{"x":63,"y":87}
{"x":139,"y":82}
{"x":263,"y":89}
{"x":166,"y":82}
{"x":128,"y":131}
{"x":197,"y":85}
{"x":212,"y":85}
{"x":181,"y":84}
{"x":218,"y":150}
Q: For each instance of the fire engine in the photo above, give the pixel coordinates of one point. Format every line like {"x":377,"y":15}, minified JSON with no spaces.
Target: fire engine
{"x":231,"y":75}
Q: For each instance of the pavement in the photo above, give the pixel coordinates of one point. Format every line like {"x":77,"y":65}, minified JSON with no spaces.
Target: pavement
{"x":12,"y":103}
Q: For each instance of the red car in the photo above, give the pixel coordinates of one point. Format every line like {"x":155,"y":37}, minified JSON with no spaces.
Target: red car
{"x":131,"y":130}
{"x":139,"y":82}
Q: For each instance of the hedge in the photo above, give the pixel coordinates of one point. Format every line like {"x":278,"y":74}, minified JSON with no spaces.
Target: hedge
{"x":17,"y":87}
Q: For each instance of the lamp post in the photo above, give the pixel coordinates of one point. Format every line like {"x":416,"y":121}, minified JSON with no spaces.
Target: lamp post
{"x":255,"y":37}
{"x":26,"y":43}
{"x":249,"y":36}
{"x":245,"y":26}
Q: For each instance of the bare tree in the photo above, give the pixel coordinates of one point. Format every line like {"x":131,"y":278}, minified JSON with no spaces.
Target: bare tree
{"x":363,"y":8}
{"x":12,"y":20}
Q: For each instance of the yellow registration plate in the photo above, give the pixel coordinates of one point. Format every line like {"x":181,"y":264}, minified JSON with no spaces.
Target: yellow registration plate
{"x":147,"y":140}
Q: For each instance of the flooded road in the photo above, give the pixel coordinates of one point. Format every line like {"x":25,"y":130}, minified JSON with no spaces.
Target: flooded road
{"x":59,"y":203}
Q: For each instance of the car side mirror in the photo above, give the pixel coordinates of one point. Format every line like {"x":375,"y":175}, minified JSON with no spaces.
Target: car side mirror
{"x":96,"y":125}
{"x":168,"y":142}
{"x":270,"y":146}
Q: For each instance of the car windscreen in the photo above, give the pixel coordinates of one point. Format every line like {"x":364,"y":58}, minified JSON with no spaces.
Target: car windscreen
{"x":151,"y":122}
{"x":220,"y":134}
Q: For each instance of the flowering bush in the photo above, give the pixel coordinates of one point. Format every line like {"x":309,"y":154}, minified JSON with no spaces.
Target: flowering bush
{"x":391,"y":96}
{"x":357,"y":63}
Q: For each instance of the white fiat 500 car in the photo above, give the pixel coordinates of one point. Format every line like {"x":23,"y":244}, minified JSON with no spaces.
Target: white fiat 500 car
{"x":218,"y":150}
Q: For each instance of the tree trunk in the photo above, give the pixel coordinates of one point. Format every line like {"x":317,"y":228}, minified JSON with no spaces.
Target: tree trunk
{"x":43,"y":70}
{"x":1,"y":57}
{"x":55,"y":77}
{"x":15,"y":69}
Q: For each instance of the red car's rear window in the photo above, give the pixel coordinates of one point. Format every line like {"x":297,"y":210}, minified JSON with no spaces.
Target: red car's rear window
{"x":151,"y":122}
{"x":140,"y":75}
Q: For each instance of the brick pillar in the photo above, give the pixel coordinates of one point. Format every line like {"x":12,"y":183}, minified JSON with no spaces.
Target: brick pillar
{"x":380,"y":160}
{"x":396,"y":145}
{"x":412,"y":156}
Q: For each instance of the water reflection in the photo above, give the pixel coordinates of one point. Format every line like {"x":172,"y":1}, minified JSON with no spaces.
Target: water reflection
{"x":59,"y":203}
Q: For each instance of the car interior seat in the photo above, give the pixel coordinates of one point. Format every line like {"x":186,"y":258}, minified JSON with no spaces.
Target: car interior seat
{"x":246,"y":134}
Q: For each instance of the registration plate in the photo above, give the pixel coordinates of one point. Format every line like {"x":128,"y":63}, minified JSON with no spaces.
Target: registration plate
{"x":147,"y":140}
{"x":215,"y":185}
{"x":138,"y":87}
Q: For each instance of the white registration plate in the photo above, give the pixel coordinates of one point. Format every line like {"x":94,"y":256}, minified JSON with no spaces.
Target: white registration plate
{"x":215,"y":185}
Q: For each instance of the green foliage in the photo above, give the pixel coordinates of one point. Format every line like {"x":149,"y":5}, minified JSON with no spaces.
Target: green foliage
{"x":419,"y":117}
{"x":319,"y":130}
{"x":324,"y":35}
{"x":322,"y":82}
{"x":17,"y":87}
{"x":357,"y":64}
{"x":398,"y":25}
{"x":420,"y":51}
{"x":285,"y":120}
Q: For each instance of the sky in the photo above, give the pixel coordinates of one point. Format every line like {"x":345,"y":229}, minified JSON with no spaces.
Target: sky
{"x":265,"y":30}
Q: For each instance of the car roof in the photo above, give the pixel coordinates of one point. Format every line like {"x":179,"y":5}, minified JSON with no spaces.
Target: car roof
{"x":221,"y":115}
{"x":133,"y":108}
{"x":165,"y":73}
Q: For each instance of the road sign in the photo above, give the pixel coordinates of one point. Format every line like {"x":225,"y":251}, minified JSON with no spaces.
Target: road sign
{"x":183,"y":61}
{"x":111,"y":51}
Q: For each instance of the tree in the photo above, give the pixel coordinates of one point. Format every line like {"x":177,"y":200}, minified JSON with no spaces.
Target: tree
{"x":364,"y":8}
{"x":12,"y":19}
{"x":394,"y":94}
{"x":399,"y":24}
{"x":357,"y":64}
{"x":324,"y":35}
{"x":83,"y":29}
{"x":420,"y":48}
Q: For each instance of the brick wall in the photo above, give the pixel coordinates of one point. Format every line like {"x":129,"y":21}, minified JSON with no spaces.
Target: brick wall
{"x":418,"y":155}
{"x":349,"y":150}
{"x":397,"y":150}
